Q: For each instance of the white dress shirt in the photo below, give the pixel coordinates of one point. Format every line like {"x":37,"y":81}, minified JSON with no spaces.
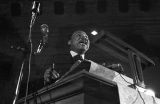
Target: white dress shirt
{"x":74,"y":54}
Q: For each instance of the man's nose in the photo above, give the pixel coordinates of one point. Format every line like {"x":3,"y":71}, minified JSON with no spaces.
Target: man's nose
{"x":83,"y":37}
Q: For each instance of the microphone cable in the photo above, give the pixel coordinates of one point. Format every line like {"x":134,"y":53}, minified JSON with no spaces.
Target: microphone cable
{"x":135,"y":87}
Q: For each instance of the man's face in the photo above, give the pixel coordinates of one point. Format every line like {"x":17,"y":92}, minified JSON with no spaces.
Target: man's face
{"x":80,"y":42}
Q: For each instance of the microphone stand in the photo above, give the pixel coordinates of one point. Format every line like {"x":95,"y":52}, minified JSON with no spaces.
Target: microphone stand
{"x":19,"y":82}
{"x":33,"y":18}
{"x":34,"y":15}
{"x":24,"y":51}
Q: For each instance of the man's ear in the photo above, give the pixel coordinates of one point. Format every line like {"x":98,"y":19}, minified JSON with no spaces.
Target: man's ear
{"x":69,"y":42}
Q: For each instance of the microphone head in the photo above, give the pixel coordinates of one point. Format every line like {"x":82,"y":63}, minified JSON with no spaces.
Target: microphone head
{"x":113,"y":66}
{"x":116,"y":67}
{"x":36,"y":7}
{"x":44,"y":29}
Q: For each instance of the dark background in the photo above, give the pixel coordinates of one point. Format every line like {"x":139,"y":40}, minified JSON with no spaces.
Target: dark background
{"x":136,"y":22}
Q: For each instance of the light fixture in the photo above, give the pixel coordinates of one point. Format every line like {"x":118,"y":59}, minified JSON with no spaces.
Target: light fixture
{"x":94,"y":32}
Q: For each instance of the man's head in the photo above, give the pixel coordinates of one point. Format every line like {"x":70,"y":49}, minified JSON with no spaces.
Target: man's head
{"x":79,"y":42}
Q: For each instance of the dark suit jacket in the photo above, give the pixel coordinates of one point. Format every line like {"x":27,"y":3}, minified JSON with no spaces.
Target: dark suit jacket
{"x":63,"y":63}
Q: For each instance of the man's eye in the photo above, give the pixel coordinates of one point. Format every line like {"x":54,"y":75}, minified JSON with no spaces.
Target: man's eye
{"x":79,"y":35}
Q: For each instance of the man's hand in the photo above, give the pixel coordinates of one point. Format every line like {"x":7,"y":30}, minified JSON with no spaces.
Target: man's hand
{"x":50,"y":75}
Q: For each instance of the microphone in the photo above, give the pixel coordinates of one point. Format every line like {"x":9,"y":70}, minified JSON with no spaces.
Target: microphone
{"x":36,"y":7}
{"x":73,"y":67}
{"x":44,"y":40}
{"x":116,"y":67}
{"x":45,"y":29}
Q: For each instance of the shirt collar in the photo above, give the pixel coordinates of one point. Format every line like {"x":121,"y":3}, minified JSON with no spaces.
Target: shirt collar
{"x":75,"y":53}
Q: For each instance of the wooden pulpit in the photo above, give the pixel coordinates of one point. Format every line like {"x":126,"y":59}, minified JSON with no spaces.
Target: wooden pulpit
{"x":80,"y":88}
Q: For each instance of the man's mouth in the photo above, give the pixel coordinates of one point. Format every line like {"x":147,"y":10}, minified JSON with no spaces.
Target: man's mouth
{"x":83,"y":42}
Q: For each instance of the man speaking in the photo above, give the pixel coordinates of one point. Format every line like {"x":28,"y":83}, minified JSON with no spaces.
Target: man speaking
{"x":71,"y":62}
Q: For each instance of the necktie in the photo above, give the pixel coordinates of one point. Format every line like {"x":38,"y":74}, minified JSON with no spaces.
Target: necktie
{"x":78,"y":57}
